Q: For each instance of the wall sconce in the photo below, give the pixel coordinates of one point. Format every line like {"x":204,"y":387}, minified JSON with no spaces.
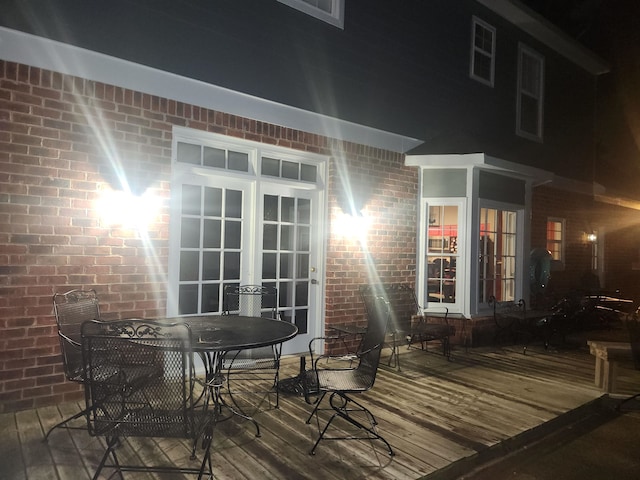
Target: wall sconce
{"x":591,"y":237}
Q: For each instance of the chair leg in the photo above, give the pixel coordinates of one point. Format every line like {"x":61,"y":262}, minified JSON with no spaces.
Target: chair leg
{"x":342,"y":410}
{"x":111,"y":445}
{"x":315,"y":409}
{"x":63,"y":423}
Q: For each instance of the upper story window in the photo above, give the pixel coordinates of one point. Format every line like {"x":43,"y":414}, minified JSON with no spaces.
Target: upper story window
{"x":555,"y":238}
{"x":483,"y":51}
{"x":530,"y":93}
{"x":330,"y":11}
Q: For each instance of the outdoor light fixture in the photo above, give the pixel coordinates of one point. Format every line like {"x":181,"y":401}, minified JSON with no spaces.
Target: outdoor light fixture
{"x":591,"y":237}
{"x":125,"y":209}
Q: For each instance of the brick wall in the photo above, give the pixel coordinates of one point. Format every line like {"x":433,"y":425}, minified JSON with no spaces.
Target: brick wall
{"x":66,"y":141}
{"x":620,"y":244}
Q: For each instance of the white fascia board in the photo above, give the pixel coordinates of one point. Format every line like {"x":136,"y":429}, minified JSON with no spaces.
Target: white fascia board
{"x":32,"y":50}
{"x":544,"y":31}
{"x":480,"y":161}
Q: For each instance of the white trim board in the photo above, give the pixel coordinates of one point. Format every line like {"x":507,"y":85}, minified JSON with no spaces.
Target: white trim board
{"x":32,"y":50}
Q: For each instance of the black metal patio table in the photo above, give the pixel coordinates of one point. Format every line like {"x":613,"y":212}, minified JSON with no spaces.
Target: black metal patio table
{"x":216,"y":335}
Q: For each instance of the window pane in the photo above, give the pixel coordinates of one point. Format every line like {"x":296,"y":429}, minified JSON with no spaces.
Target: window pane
{"x":270,"y":237}
{"x":308,"y":173}
{"x":270,"y":166}
{"x":442,"y":240}
{"x":238,"y":161}
{"x":212,"y":202}
{"x":188,"y":299}
{"x":211,"y":266}
{"x":188,"y":153}
{"x":231,"y":266}
{"x":210,"y":298}
{"x":290,"y":170}
{"x":212,"y":234}
{"x":271,"y":208}
{"x":233,"y":205}
{"x":190,"y":233}
{"x":213,"y":157}
{"x":189,"y":266}
{"x":232,"y":234}
{"x":191,"y":199}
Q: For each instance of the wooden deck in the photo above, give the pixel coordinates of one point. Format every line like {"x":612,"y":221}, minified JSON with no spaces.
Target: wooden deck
{"x":433,"y":413}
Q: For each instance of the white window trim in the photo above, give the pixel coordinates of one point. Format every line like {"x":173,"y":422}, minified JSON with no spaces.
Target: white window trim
{"x":525,"y":50}
{"x":461,"y":264}
{"x":474,"y":24}
{"x":335,"y":18}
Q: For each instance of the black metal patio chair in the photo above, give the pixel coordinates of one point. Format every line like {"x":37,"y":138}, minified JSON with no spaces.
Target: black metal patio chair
{"x":139,"y":382}
{"x":259,"y":367}
{"x":343,"y":383}
{"x":71,"y":309}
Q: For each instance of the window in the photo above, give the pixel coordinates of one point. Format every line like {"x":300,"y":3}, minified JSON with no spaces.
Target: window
{"x":497,"y":251}
{"x":330,"y":11}
{"x":483,"y":49}
{"x":530,"y":94}
{"x":555,"y":238}
{"x":441,"y":254}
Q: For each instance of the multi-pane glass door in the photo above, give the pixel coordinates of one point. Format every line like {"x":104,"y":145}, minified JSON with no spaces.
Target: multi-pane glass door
{"x":497,"y":252}
{"x":239,"y":217}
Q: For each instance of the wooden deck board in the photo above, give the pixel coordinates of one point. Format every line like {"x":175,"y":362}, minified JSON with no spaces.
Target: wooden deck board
{"x":433,"y":413}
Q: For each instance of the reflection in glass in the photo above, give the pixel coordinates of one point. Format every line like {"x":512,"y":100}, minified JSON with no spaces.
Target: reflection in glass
{"x":287,"y":213}
{"x":304,"y":211}
{"x":286,"y":265}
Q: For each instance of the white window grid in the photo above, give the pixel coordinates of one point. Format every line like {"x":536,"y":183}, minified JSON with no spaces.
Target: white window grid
{"x":483,"y":51}
{"x":330,"y":11}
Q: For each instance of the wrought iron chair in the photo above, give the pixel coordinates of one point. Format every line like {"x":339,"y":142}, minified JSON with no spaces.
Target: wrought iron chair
{"x":633,"y":325}
{"x":139,"y":382}
{"x":342,"y":383}
{"x":259,"y":366}
{"x":71,"y":310}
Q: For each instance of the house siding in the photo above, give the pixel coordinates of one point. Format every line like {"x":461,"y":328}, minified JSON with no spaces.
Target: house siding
{"x":58,"y":137}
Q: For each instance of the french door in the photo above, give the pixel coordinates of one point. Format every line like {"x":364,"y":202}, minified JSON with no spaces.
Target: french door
{"x":247,"y":229}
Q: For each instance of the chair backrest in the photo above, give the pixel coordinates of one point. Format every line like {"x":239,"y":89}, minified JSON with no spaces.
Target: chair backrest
{"x":378,"y":319}
{"x":402,"y":303}
{"x":138,"y":379}
{"x":71,"y":309}
{"x":251,"y":301}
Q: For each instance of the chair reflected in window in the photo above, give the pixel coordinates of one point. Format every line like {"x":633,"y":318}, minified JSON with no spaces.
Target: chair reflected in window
{"x":342,"y":383}
{"x":71,"y":309}
{"x":139,"y":382}
{"x":252,"y":374}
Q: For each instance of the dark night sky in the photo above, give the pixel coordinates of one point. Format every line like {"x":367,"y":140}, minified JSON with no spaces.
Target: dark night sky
{"x":611,"y":29}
